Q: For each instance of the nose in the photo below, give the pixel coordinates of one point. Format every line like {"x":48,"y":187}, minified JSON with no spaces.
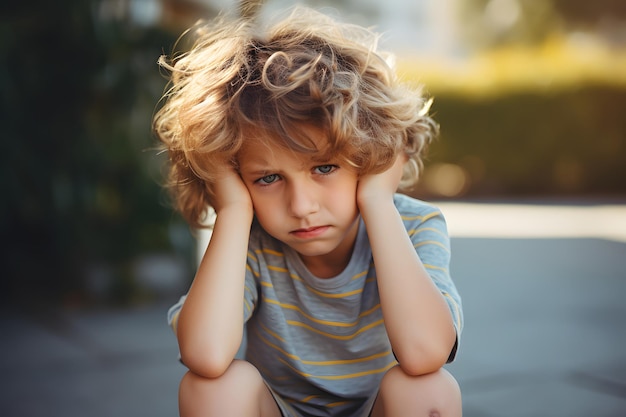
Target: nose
{"x":303,"y":199}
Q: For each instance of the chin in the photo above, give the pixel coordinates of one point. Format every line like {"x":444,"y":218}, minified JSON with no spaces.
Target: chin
{"x":315,"y":249}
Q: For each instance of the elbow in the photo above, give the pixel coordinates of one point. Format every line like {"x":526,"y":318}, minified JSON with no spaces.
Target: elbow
{"x":422,"y":360}
{"x":207,"y":363}
{"x":205,"y":355}
{"x":420,"y":367}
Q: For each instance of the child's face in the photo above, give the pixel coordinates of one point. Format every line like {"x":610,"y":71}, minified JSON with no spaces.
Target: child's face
{"x":306,"y":203}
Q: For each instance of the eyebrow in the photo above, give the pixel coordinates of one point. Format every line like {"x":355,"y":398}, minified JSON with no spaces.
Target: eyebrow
{"x":257,"y":166}
{"x":261,"y":167}
{"x":324,"y":159}
{"x":257,"y":173}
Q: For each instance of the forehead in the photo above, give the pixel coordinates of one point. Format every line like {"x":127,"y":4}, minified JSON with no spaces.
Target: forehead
{"x":308,"y":142}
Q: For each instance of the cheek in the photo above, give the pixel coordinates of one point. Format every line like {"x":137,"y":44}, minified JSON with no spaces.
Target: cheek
{"x":343,"y":196}
{"x":265,"y":208}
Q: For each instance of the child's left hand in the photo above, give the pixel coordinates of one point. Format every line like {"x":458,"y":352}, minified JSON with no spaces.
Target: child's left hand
{"x":379,"y":186}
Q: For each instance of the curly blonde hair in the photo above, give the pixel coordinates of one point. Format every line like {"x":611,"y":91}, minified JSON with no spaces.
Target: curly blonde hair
{"x":307,"y":68}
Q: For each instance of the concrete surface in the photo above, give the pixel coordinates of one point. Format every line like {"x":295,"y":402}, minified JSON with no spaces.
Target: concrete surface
{"x":545,"y":335}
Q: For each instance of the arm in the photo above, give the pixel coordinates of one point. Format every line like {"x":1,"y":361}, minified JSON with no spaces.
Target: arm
{"x":417,"y":318}
{"x":210,"y":323}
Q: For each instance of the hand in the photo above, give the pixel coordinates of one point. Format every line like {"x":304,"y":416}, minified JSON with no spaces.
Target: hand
{"x":229,"y":190}
{"x":379,"y":186}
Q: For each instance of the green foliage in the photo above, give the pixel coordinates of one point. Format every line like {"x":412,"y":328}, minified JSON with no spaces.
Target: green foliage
{"x":537,"y":120}
{"x":571,"y":142}
{"x":79,"y":178}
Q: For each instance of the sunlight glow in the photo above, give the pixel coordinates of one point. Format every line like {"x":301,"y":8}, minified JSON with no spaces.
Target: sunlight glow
{"x":535,"y":221}
{"x":520,"y":221}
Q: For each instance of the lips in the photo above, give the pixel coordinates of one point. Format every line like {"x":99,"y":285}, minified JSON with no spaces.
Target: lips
{"x":309,"y":232}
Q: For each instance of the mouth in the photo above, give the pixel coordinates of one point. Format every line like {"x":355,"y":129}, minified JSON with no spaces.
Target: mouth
{"x":309,"y":232}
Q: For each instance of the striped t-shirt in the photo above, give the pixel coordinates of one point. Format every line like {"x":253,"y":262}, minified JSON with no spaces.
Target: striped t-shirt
{"x":321,"y":344}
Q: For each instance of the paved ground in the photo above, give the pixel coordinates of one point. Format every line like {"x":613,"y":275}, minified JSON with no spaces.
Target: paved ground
{"x":545,"y":336}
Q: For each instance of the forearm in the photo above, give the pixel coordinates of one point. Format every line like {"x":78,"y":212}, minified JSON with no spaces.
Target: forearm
{"x":210,"y":324}
{"x":417,"y":317}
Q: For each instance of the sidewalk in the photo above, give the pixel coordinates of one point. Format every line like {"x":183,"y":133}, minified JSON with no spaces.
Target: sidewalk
{"x":89,"y":364}
{"x":545,"y":333}
{"x":545,"y":327}
{"x":543,"y":289}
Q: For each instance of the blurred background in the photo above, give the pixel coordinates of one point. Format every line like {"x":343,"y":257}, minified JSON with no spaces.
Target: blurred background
{"x":530,"y":95}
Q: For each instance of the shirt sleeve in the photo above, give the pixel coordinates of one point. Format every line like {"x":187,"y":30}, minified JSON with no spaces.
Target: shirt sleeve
{"x":255,"y":265}
{"x":173,"y":312}
{"x":250,"y":293}
{"x":249,"y":299}
{"x":428,"y":232}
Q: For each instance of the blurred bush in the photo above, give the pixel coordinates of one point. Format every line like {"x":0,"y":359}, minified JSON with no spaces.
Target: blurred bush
{"x":85,"y":221}
{"x":527,"y":121}
{"x":81,"y":205}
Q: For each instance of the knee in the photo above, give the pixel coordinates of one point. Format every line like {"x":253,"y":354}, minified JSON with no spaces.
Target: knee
{"x":239,"y":387}
{"x":237,"y":373}
{"x":435,"y":394}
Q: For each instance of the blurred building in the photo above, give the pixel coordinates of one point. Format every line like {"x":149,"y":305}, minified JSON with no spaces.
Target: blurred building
{"x":424,"y":27}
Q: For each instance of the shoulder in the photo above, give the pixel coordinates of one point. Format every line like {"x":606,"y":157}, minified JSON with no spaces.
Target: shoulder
{"x":417,"y":214}
{"x":410,"y":207}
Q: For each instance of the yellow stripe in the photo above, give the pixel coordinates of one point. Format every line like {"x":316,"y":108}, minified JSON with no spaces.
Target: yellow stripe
{"x":428,"y":266}
{"x":247,"y":305}
{"x":319,"y":363}
{"x":255,"y":273}
{"x":272,"y":333}
{"x":321,"y":294}
{"x":175,"y":321}
{"x":295,"y":277}
{"x":274,"y":346}
{"x":370,"y":311}
{"x":431,"y":242}
{"x":423,"y":218}
{"x":330,"y":405}
{"x":332,"y":336}
{"x":346,"y":376}
{"x":269,"y":251}
{"x":411,"y":232}
{"x":337,"y":404}
{"x":277,"y":268}
{"x":316,"y":320}
{"x":359,"y":275}
{"x":309,"y":398}
{"x":246,"y":288}
{"x":347,"y":361}
{"x":342,"y":295}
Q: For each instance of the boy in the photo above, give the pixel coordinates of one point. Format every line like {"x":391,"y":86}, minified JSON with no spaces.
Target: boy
{"x":298,"y":136}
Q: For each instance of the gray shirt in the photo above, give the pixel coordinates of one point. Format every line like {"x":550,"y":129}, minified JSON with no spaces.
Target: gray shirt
{"x":321,"y":344}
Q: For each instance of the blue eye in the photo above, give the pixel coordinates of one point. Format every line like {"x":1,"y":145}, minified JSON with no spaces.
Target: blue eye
{"x":325,"y":169}
{"x":268,"y":179}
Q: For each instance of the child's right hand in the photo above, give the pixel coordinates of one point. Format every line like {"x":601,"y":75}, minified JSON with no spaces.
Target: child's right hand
{"x":229,"y":190}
